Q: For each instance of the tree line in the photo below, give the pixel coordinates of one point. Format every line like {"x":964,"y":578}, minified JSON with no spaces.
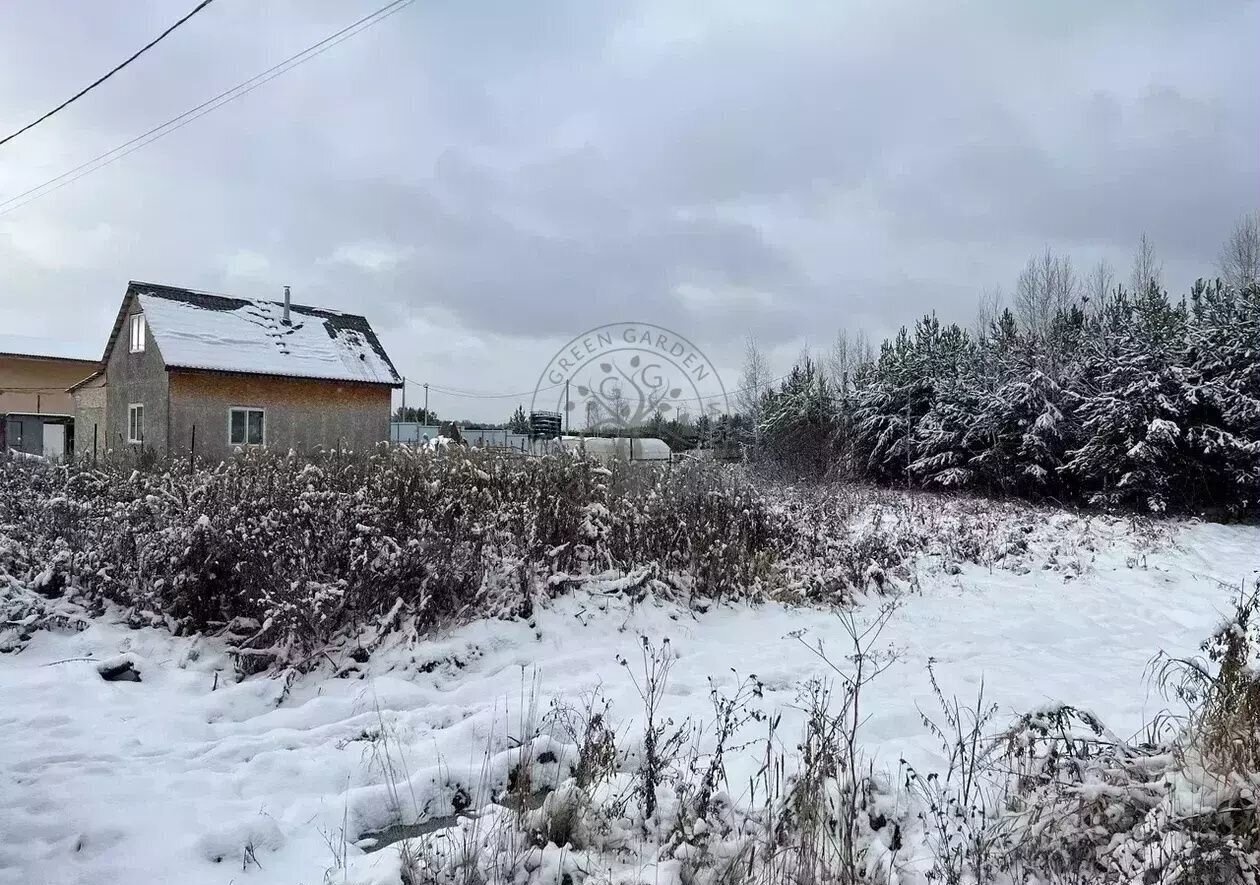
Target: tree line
{"x":1082,"y":389}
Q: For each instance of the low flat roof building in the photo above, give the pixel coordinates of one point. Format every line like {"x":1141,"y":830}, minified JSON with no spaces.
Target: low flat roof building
{"x":36,"y":408}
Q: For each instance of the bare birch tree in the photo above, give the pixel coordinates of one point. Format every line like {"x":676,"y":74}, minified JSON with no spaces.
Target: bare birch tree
{"x":848,"y":351}
{"x":1046,"y":285}
{"x":1147,"y":269}
{"x":988,"y":309}
{"x":1239,"y":261}
{"x":754,"y":381}
{"x":1098,"y":284}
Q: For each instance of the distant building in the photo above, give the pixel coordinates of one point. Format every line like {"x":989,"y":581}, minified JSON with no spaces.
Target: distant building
{"x":498,"y":439}
{"x":413,"y":433}
{"x":36,"y":411}
{"x":192,"y":371}
{"x":609,"y":449}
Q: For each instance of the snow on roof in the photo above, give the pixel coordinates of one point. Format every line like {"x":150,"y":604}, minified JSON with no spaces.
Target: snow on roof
{"x":198,"y":330}
{"x":54,"y":348}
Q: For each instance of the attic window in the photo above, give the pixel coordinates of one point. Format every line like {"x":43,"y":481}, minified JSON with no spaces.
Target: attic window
{"x":137,"y":333}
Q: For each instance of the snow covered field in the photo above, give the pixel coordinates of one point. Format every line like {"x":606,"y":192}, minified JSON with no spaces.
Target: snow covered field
{"x":188,"y":776}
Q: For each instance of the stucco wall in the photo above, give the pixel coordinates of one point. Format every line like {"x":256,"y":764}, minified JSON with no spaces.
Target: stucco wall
{"x":135,"y":378}
{"x":38,"y":385}
{"x":301,"y":414}
{"x":90,"y":411}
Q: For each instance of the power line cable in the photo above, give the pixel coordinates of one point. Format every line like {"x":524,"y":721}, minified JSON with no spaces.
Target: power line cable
{"x":84,"y":91}
{"x":449,"y":391}
{"x":467,"y":394}
{"x":205,"y":107}
{"x":213,"y":104}
{"x":730,"y":393}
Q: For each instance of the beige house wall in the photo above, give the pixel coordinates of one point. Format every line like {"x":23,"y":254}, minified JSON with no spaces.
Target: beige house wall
{"x":300,"y":413}
{"x":37,"y":385}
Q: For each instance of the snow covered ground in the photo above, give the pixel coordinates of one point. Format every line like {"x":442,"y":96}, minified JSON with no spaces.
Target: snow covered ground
{"x":190,"y":777}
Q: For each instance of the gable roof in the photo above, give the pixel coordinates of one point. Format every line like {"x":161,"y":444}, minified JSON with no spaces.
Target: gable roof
{"x":79,"y":385}
{"x":200,"y":330}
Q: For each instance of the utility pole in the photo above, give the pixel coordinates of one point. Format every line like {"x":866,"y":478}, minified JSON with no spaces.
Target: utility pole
{"x":426,"y":402}
{"x":566,"y":408}
{"x":404,"y":404}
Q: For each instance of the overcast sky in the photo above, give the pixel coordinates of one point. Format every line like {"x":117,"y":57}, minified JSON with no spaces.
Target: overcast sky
{"x":486,"y":180}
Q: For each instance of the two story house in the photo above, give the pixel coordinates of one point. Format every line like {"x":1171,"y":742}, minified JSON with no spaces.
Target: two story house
{"x":187,"y":371}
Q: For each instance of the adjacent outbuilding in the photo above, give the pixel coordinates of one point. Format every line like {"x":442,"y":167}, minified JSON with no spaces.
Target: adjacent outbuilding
{"x":36,"y":411}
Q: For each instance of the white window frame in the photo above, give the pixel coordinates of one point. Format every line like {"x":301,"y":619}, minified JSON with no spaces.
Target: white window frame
{"x":138,"y":332}
{"x":133,"y":425}
{"x":247,"y":409}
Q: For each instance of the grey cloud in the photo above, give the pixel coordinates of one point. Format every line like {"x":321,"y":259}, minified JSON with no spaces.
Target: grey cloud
{"x":502,"y":276}
{"x":1172,"y":167}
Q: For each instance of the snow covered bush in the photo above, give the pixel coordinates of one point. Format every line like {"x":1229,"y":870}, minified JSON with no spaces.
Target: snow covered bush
{"x":288,"y":554}
{"x":289,"y":557}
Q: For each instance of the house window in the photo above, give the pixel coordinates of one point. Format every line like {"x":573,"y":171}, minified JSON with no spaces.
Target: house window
{"x":135,"y":423}
{"x":137,"y":332}
{"x":246,"y":427}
